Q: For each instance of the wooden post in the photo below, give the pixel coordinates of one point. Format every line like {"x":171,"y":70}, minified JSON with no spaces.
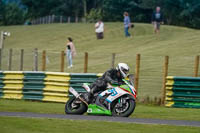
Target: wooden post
{"x":0,"y":57}
{"x":196,"y":66}
{"x":61,"y":19}
{"x":21,"y":60}
{"x":137,"y":72}
{"x":10,"y":60}
{"x":53,"y":18}
{"x":113,"y":60}
{"x":165,"y":74}
{"x":1,"y":40}
{"x":43,"y":20}
{"x":86,"y":62}
{"x":36,"y":59}
{"x":49,"y":19}
{"x":44,"y":60}
{"x":69,"y":19}
{"x":62,"y":61}
{"x":76,"y":19}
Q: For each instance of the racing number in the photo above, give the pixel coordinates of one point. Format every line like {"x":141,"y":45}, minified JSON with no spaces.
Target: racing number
{"x":113,"y":92}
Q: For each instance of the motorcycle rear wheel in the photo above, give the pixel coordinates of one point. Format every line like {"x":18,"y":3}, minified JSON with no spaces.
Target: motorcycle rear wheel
{"x":130,"y":107}
{"x":79,"y":110}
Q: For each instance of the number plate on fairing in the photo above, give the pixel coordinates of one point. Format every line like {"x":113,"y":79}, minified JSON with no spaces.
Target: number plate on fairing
{"x":115,"y":93}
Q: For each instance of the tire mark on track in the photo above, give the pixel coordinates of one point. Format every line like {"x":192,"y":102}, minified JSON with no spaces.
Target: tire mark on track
{"x":104,"y":118}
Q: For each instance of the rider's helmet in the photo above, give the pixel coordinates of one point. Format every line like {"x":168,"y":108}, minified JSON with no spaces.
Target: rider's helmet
{"x":123,"y":69}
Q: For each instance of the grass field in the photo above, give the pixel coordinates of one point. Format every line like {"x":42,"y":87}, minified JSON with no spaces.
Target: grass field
{"x":181,"y":44}
{"x":141,"y":111}
{"x":32,"y":125}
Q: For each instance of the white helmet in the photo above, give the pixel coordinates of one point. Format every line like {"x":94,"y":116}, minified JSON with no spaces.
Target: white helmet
{"x":123,"y":69}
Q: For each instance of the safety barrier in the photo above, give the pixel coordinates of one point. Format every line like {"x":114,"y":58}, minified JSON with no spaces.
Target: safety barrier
{"x":182,"y":92}
{"x":42,"y":86}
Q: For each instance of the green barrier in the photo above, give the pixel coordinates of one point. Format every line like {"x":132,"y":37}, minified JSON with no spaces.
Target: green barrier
{"x":1,"y":83}
{"x":42,"y":86}
{"x":182,"y":92}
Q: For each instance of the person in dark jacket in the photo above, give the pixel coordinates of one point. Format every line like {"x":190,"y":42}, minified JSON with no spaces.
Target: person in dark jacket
{"x":157,"y":20}
{"x":112,"y":76}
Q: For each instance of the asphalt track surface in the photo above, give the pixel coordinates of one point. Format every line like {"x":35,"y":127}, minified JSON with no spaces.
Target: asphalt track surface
{"x":103,"y":118}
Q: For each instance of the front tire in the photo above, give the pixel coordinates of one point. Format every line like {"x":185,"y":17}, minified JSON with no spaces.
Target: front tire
{"x":126,"y":110}
{"x":79,"y":110}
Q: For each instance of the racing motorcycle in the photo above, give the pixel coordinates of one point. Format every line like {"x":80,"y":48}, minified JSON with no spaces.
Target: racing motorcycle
{"x":115,"y":101}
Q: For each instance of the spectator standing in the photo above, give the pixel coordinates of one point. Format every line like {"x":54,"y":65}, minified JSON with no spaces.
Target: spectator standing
{"x":127,"y":24}
{"x":99,"y":29}
{"x":70,"y":52}
{"x":157,"y":20}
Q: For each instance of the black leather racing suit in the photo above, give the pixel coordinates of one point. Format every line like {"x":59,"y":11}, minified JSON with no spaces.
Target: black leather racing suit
{"x":109,"y":76}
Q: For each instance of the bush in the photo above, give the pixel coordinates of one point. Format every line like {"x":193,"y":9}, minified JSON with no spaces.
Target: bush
{"x":13,"y":15}
{"x":94,"y":15}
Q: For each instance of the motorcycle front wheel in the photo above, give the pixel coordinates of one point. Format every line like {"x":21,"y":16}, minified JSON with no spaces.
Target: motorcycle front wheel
{"x":73,"y":107}
{"x":125,"y":109}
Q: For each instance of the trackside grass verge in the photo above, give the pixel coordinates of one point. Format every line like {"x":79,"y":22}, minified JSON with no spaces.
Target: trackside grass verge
{"x":40,"y":125}
{"x":141,"y":111}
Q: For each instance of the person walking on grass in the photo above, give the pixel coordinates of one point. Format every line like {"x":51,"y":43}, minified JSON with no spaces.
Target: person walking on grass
{"x":99,"y":29}
{"x":157,"y":20}
{"x":127,"y":24}
{"x":70,"y":52}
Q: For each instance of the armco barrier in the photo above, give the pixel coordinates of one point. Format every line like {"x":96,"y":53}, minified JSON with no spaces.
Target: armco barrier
{"x":41,"y":86}
{"x":182,"y":92}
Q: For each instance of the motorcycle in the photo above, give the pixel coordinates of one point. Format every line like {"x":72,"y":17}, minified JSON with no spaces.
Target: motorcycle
{"x":115,"y":101}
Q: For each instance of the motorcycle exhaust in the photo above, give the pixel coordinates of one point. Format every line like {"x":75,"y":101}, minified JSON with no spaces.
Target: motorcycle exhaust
{"x":75,"y":93}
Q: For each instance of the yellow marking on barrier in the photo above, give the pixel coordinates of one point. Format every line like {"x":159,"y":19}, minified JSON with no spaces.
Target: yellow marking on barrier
{"x":99,"y":74}
{"x":169,"y":104}
{"x":168,"y":99}
{"x":56,"y":88}
{"x":55,"y":99}
{"x":57,"y":78}
{"x":55,"y":94}
{"x":12,"y":94}
{"x":57,"y":84}
{"x":57,"y":73}
{"x":13,"y":72}
{"x":169,"y":88}
{"x":13,"y":81}
{"x":169,"y":93}
{"x":170,"y":77}
{"x":14,"y":86}
{"x":13,"y":75}
{"x":170,"y":82}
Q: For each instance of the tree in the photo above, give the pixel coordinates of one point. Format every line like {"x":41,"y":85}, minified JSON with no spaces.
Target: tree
{"x":13,"y":15}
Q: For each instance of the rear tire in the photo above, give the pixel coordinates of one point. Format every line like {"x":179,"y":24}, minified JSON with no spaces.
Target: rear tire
{"x":131,"y":107}
{"x":79,"y":110}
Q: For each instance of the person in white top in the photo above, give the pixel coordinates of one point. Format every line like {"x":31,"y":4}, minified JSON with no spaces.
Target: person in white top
{"x":99,"y":29}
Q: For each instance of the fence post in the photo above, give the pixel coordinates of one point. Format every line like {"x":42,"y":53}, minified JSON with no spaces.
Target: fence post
{"x":113,"y":60}
{"x":0,"y":57}
{"x":69,"y":19}
{"x":165,"y":74}
{"x":86,"y":62}
{"x":76,"y":19}
{"x":62,"y":61}
{"x":43,"y":20}
{"x":44,"y":60}
{"x":137,"y":72}
{"x":61,"y":19}
{"x":53,"y":18}
{"x":196,"y":66}
{"x":21,"y":59}
{"x":1,"y":40}
{"x":36,"y":59}
{"x":10,"y":60}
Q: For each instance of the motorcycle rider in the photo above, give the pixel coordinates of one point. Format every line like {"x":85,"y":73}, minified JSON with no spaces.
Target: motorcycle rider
{"x":112,"y":76}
